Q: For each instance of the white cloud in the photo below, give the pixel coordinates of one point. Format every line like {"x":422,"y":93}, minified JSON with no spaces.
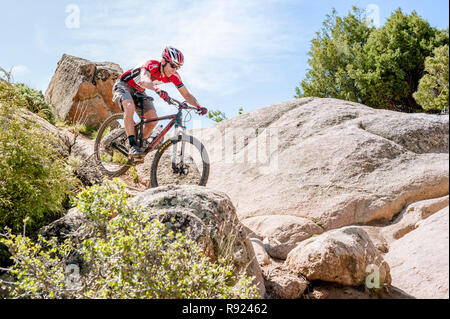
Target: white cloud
{"x":225,"y":43}
{"x":19,"y":70}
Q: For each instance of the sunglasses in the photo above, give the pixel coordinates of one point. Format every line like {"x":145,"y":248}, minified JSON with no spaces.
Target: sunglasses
{"x":174,"y":66}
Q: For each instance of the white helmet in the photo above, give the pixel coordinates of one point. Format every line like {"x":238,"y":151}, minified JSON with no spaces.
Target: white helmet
{"x":172,"y":55}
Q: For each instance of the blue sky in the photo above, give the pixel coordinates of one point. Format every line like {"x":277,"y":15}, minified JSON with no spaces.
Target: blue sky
{"x":245,"y":54}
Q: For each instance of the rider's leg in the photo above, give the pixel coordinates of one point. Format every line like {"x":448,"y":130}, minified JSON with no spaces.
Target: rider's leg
{"x":122,"y":94}
{"x":149,"y":127}
{"x":129,"y":109}
{"x":149,"y":113}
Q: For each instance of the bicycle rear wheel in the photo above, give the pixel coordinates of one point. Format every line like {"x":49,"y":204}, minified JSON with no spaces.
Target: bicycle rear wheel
{"x":110,"y":148}
{"x":181,"y":161}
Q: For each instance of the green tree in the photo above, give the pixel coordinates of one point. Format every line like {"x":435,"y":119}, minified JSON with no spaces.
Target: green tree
{"x":378,"y":67}
{"x":388,"y":69}
{"x":333,"y":49}
{"x":216,"y":115}
{"x":34,"y":179}
{"x":219,"y":116}
{"x":433,"y":88}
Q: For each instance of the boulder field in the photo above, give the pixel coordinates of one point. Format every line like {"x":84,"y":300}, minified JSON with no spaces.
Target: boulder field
{"x":333,"y":199}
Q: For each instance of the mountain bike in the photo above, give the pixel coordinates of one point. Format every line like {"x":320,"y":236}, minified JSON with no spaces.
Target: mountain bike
{"x":181,"y":159}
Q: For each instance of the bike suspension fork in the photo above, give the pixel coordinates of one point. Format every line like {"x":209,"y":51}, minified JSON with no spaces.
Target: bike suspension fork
{"x":175,"y":147}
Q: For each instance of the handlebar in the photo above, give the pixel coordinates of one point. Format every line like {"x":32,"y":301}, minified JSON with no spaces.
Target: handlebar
{"x":182,"y":105}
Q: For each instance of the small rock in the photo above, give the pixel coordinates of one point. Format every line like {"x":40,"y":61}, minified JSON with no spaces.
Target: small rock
{"x":282,"y":232}
{"x":260,"y":252}
{"x":283,"y":284}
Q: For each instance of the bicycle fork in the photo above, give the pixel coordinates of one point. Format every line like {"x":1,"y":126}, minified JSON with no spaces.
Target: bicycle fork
{"x":178,"y":166}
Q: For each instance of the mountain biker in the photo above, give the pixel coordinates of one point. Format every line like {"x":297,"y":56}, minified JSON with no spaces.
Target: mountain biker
{"x":148,"y":76}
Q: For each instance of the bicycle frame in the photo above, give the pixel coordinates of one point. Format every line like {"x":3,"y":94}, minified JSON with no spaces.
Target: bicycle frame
{"x":176,"y":119}
{"x":156,"y":140}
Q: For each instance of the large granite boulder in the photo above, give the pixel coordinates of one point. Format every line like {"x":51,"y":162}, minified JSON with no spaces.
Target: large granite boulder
{"x":81,"y":90}
{"x":335,"y":162}
{"x":210,"y":219}
{"x":68,"y":226}
{"x":345,"y":256}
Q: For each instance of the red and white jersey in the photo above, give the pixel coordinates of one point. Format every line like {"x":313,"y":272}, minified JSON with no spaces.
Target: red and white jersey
{"x":131,"y":77}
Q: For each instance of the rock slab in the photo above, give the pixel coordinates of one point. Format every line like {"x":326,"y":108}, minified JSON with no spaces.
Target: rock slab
{"x":419,"y":260}
{"x":337,"y":162}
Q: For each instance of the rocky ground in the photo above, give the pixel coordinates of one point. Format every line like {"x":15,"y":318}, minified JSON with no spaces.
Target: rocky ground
{"x":347,"y":192}
{"x":335,"y":196}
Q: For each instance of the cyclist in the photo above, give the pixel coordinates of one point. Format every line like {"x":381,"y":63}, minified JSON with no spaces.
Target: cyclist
{"x":148,"y":76}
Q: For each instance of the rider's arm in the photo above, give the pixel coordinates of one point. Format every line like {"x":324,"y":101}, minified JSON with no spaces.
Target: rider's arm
{"x":188,"y":96}
{"x":144,"y":80}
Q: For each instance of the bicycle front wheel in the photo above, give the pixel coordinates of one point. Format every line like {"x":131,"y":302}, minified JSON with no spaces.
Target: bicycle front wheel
{"x":181,"y":161}
{"x":110,"y":148}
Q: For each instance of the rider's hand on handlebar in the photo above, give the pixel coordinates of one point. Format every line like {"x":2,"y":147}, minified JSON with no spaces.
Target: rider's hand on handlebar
{"x":202,"y":110}
{"x":163,"y":94}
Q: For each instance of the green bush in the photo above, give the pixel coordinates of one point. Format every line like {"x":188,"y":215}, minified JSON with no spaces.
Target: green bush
{"x":34,"y":180}
{"x":432,"y":93}
{"x":34,"y":101}
{"x":129,"y":256}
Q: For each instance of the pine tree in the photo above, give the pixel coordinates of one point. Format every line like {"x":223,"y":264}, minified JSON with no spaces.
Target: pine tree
{"x":378,"y":67}
{"x":388,"y":69}
{"x":332,"y":50}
